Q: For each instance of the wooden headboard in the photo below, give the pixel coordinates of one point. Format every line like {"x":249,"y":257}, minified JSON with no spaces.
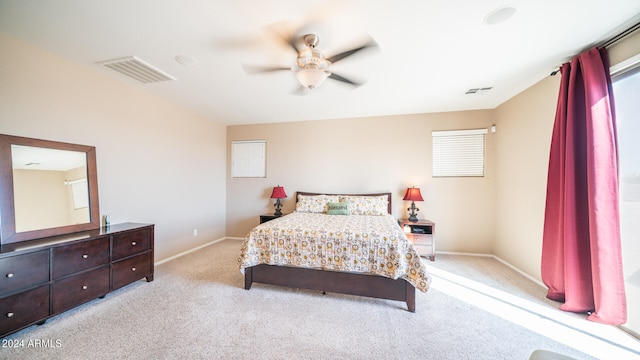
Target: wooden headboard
{"x":387,"y":194}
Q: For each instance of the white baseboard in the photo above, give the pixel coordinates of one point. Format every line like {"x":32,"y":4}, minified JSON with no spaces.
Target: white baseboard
{"x":463,"y":253}
{"x":189,"y":251}
{"x":499,"y":259}
{"x":521,"y":272}
{"x":234,"y":238}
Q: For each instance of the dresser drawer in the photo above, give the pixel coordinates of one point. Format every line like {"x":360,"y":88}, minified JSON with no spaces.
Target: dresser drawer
{"x":24,"y":308}
{"x":424,"y":250}
{"x":72,"y":258}
{"x":423,"y":244}
{"x":131,"y":243}
{"x":129,"y":270}
{"x":23,"y":271}
{"x":421,"y":239}
{"x":78,"y":289}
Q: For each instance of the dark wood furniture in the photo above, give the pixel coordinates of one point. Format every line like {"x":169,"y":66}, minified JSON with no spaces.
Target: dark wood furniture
{"x":9,"y":233}
{"x":333,"y":281}
{"x":268,"y":217}
{"x":44,"y":277}
{"x":421,"y":234}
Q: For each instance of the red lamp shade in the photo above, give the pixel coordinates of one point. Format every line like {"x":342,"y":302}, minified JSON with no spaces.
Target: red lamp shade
{"x":413,"y":194}
{"x":278,"y":193}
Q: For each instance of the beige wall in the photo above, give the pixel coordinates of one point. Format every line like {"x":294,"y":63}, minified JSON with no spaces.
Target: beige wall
{"x":157,"y":162}
{"x":625,"y":49}
{"x":35,"y":209}
{"x":523,"y":139}
{"x":378,"y":154}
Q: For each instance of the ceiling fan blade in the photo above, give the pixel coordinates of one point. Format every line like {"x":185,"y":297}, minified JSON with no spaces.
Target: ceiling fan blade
{"x":289,"y":39}
{"x":344,"y":54}
{"x":286,"y":34}
{"x":264,"y":69}
{"x":293,"y":42}
{"x":343,"y":79}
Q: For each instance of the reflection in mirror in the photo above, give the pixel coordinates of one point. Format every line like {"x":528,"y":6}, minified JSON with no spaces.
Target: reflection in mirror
{"x":47,"y":188}
{"x":50,"y":187}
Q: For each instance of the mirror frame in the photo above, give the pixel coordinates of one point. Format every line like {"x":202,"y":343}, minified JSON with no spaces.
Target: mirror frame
{"x":8,"y":232}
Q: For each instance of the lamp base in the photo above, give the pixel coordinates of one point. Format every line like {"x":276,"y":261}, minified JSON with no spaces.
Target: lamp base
{"x":413,"y":215}
{"x":278,"y":205}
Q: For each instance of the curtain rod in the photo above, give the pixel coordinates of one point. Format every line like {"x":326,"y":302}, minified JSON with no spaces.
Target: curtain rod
{"x":610,"y":42}
{"x":621,"y":36}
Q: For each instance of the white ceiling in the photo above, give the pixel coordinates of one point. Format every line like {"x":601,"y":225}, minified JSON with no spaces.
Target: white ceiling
{"x":430,"y":52}
{"x":39,"y":158}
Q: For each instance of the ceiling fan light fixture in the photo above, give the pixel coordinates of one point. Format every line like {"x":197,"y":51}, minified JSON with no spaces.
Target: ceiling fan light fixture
{"x":311,"y":77}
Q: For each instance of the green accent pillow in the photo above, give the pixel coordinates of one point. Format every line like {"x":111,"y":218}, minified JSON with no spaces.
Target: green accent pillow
{"x":338,"y":208}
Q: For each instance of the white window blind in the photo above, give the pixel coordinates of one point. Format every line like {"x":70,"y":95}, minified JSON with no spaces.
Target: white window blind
{"x":248,"y":158}
{"x":458,"y":153}
{"x":80,"y":194}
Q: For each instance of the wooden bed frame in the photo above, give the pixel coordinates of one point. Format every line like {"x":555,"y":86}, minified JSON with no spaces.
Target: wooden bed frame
{"x":334,"y":281}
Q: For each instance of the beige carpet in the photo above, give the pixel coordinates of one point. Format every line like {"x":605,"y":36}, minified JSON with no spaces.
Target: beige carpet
{"x":197,"y":308}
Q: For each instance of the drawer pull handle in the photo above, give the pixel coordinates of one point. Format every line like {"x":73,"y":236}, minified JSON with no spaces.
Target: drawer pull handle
{"x":133,"y":269}
{"x":133,"y":243}
{"x":10,"y":314}
{"x":84,"y":287}
{"x":10,"y":275}
{"x":84,"y":256}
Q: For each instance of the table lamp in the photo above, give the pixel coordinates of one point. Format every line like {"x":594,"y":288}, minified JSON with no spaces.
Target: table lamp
{"x":413,"y":194}
{"x":278,"y":193}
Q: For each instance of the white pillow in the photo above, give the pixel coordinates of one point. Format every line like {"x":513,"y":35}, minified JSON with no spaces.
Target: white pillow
{"x":314,"y":203}
{"x":367,"y":205}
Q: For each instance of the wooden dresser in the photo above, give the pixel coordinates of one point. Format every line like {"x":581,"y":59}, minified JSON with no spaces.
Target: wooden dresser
{"x":44,"y":277}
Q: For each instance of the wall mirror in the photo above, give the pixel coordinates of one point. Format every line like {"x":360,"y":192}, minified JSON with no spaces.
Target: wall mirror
{"x":47,"y":188}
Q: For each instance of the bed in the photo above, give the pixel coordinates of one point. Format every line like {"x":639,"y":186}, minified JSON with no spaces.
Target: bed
{"x":362,"y":252}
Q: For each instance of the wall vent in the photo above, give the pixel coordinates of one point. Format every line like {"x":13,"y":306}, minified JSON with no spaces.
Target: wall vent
{"x":478,"y":91}
{"x":136,"y":69}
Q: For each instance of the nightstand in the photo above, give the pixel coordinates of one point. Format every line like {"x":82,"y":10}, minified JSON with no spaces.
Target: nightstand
{"x":422,"y":235}
{"x":268,"y":217}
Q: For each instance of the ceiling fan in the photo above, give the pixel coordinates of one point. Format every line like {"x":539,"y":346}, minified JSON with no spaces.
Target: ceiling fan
{"x":312,"y":68}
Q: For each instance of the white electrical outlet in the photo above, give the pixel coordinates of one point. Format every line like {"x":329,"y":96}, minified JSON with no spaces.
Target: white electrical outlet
{"x":195,"y":232}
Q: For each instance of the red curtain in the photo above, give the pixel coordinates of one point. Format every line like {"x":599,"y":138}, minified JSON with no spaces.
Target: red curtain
{"x":581,"y":249}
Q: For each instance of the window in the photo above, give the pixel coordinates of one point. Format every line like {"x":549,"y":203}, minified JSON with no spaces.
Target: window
{"x":248,"y":159}
{"x":79,"y":192}
{"x":626,"y":88}
{"x":458,"y":153}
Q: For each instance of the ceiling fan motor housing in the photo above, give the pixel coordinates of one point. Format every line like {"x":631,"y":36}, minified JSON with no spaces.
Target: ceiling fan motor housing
{"x":310,"y":57}
{"x":311,"y":40}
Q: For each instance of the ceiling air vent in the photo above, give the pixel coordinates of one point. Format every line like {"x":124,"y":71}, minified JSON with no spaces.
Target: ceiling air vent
{"x":478,"y":91}
{"x":137,"y":69}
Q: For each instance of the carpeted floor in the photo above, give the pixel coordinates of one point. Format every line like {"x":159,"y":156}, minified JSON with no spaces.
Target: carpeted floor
{"x":197,"y":308}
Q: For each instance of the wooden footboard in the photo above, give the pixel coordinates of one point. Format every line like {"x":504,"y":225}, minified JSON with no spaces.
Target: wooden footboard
{"x":333,"y":281}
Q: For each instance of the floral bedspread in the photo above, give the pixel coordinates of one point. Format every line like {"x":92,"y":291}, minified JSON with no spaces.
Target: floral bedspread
{"x":349,"y":243}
